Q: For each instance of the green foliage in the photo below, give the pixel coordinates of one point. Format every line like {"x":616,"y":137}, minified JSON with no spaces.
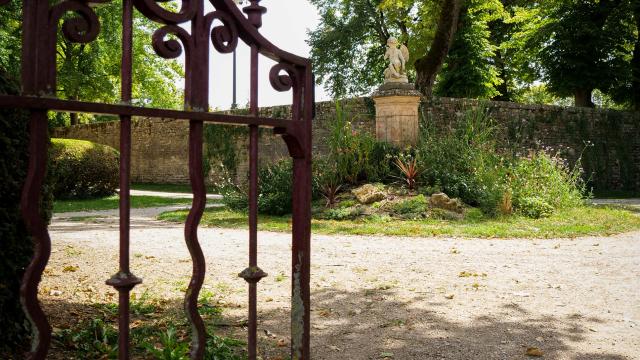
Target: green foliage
{"x":82,"y":169}
{"x":348,"y":47}
{"x":502,"y":48}
{"x":94,"y":339}
{"x":220,"y":148}
{"x":467,"y":73}
{"x":356,"y":154}
{"x":534,"y":207}
{"x":171,"y":347}
{"x":460,"y":162}
{"x":344,"y":213}
{"x":276,"y":188}
{"x":222,"y":348}
{"x":581,"y":45}
{"x":466,"y":164}
{"x":275,"y":191}
{"x":542,"y":181}
{"x":91,"y":72}
{"x":15,"y":246}
{"x":412,"y":207}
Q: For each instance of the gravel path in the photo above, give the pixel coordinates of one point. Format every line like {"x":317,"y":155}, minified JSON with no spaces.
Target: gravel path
{"x":385,"y":297}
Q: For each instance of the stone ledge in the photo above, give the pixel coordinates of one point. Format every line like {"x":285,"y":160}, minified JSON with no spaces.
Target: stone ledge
{"x":396,"y":89}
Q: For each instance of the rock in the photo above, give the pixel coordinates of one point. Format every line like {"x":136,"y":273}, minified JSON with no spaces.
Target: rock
{"x":368,"y":194}
{"x":442,"y":201}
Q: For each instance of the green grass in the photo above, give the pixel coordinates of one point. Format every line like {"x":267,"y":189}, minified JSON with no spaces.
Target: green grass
{"x":583,"y":221}
{"x":111,"y":202}
{"x":174,"y":188}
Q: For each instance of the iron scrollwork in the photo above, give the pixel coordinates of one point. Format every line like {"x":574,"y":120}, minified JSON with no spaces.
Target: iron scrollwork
{"x":82,"y":28}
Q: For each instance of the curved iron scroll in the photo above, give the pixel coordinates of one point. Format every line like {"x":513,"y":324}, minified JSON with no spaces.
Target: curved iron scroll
{"x":170,"y":40}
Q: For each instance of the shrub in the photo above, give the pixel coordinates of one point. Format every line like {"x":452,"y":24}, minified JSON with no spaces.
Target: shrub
{"x":464,"y":162}
{"x":544,"y":179}
{"x":82,"y":169}
{"x":276,"y":188}
{"x":534,"y":207}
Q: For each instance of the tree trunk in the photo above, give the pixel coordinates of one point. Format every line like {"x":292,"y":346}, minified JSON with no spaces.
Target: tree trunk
{"x":428,"y":66}
{"x":583,"y":98}
{"x":635,"y":62}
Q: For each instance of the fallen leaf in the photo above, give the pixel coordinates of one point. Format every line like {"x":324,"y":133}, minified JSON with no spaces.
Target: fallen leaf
{"x":534,"y":351}
{"x":449,"y":296}
{"x":70,"y":268}
{"x":282,"y":343}
{"x":334,"y":348}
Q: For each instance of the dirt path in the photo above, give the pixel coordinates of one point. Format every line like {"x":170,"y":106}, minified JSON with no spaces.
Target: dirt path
{"x":377,"y":297}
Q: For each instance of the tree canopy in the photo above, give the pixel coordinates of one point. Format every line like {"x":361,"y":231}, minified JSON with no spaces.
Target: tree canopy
{"x":511,"y":50}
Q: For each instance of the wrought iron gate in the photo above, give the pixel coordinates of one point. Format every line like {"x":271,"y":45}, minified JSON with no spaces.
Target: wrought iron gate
{"x":41,"y":22}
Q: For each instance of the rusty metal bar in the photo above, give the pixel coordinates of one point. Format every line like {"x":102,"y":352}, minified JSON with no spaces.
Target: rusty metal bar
{"x":196,"y":97}
{"x":253,"y":274}
{"x":124,"y":280}
{"x":32,"y":102}
{"x":191,"y":239}
{"x":37,"y":228}
{"x":253,"y":208}
{"x":35,"y":79}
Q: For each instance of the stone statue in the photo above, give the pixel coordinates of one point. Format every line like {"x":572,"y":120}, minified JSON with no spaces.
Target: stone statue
{"x":396,"y":72}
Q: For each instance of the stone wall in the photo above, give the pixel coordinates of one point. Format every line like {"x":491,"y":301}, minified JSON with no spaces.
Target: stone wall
{"x":607,"y":141}
{"x":612,"y":157}
{"x":158,"y":146}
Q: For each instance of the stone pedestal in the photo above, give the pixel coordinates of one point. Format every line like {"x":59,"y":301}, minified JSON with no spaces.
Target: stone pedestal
{"x":397,"y":114}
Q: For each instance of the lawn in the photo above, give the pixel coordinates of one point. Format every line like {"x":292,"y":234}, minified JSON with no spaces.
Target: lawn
{"x":569,"y":223}
{"x":174,"y":188}
{"x":111,"y":202}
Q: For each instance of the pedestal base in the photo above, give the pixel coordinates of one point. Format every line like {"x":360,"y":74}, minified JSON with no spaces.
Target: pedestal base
{"x":397,"y":114}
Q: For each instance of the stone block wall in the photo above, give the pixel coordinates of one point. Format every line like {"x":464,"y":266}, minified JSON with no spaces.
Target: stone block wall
{"x":609,"y":141}
{"x":606,"y":141}
{"x":159,"y":147}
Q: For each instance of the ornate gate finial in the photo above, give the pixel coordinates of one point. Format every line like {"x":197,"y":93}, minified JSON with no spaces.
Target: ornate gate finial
{"x":254,"y":13}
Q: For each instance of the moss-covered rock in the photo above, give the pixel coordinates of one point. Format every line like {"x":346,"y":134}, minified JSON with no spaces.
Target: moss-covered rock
{"x":442,"y":201}
{"x":369,"y":193}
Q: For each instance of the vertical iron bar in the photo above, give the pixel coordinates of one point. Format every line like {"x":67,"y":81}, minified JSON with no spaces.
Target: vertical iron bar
{"x":124,"y":281}
{"x":196,"y":97}
{"x":253,"y":206}
{"x":37,"y":228}
{"x":301,"y":231}
{"x":253,"y":273}
{"x":234,"y":104}
{"x":191,"y":239}
{"x":36,"y":41}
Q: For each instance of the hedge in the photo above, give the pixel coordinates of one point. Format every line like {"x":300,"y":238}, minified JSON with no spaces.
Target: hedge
{"x":15,"y":245}
{"x":82,"y":169}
